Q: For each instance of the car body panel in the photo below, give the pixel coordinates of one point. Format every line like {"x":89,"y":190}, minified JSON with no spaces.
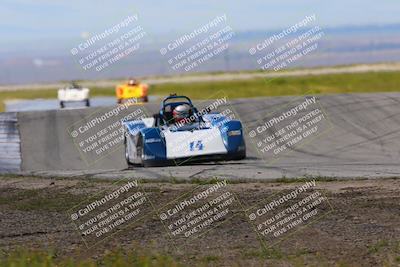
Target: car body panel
{"x":126,"y":91}
{"x":73,"y":94}
{"x":181,"y":144}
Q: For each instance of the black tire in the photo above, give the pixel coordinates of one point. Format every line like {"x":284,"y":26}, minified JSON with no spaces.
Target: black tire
{"x":87,"y":102}
{"x":241,"y":156}
{"x":62,"y":105}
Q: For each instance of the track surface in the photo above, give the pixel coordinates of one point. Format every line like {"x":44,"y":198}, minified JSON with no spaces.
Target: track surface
{"x":364,"y":142}
{"x":52,"y":104}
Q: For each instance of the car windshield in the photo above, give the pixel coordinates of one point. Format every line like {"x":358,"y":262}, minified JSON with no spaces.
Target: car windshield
{"x":75,"y":86}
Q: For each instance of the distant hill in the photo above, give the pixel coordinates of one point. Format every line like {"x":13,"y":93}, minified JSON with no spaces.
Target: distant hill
{"x":47,"y":60}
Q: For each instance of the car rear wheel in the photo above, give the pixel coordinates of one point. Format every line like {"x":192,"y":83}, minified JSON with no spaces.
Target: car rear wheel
{"x":240,"y":156}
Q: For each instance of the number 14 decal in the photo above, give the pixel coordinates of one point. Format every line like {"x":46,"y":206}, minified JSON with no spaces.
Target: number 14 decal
{"x":196,"y":145}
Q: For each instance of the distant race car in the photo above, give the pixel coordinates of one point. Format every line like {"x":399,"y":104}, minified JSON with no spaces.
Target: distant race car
{"x":73,"y":93}
{"x":132,"y":90}
{"x":201,"y":136}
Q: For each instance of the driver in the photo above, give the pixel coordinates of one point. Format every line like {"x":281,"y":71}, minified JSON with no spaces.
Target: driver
{"x":181,"y":115}
{"x":75,"y":85}
{"x":133,"y":82}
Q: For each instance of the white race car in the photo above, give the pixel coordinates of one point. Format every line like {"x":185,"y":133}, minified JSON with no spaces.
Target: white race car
{"x":73,"y":93}
{"x":159,"y":141}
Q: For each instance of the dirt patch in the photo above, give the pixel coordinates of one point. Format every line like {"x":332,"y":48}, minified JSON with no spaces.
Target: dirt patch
{"x":359,"y":227}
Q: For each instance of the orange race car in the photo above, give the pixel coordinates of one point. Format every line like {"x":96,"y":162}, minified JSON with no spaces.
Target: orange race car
{"x":132,"y":90}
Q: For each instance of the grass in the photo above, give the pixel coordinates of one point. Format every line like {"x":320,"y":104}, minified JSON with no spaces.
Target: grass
{"x":25,"y":258}
{"x":378,"y":246}
{"x":139,"y":257}
{"x":59,"y":199}
{"x":90,"y":181}
{"x":321,"y":84}
{"x":390,"y":249}
{"x":262,"y":253}
{"x":120,"y":258}
{"x":286,"y":180}
{"x":368,"y":82}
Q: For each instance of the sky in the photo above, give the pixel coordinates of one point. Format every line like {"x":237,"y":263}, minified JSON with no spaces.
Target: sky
{"x":24,"y":20}
{"x":37,"y":36}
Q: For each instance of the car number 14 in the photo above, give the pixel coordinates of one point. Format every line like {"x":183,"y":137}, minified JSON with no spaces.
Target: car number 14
{"x":196,"y":145}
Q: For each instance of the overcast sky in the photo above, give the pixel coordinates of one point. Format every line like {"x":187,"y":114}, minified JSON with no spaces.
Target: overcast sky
{"x":27,"y":19}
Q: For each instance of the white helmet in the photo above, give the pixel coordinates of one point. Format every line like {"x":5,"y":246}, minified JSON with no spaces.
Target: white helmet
{"x":181,"y":113}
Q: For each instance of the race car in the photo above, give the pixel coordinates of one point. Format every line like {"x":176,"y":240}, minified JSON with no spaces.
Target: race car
{"x":73,"y":93}
{"x":179,"y":133}
{"x":133,"y":90}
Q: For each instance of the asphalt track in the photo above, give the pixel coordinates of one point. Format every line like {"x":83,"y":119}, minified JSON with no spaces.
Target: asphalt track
{"x":51,"y":104}
{"x":363,"y":141}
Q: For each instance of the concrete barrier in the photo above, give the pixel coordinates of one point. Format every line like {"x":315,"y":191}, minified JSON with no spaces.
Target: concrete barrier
{"x":48,"y":145}
{"x":10,"y":154}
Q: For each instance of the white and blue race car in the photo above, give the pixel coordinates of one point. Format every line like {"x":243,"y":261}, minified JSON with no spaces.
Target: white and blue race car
{"x":160,"y":141}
